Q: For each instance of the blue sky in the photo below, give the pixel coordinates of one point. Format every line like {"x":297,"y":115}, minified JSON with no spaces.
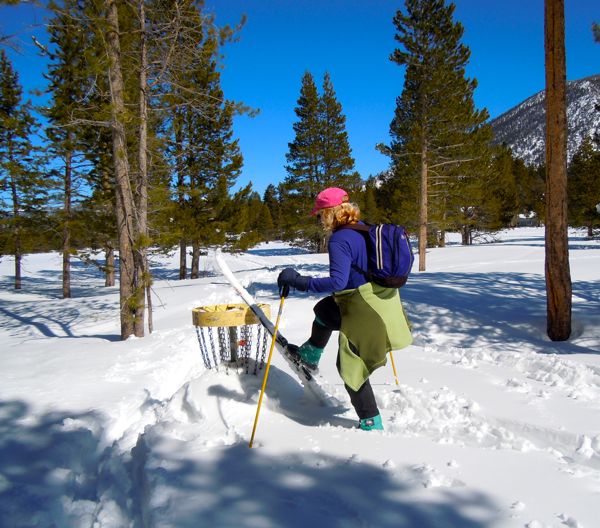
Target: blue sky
{"x":352,"y":40}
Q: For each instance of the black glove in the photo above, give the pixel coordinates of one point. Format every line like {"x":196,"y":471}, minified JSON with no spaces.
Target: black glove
{"x":290,"y":277}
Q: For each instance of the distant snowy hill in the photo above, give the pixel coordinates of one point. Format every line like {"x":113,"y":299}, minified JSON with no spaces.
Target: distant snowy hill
{"x":523,"y":127}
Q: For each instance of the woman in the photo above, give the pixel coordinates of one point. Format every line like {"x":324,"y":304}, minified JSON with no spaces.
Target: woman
{"x":369,"y":317}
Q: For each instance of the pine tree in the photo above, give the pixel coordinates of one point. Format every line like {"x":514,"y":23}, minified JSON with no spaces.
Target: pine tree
{"x":213,"y":159}
{"x":272,"y":202}
{"x":499,"y":202}
{"x":318,"y":157}
{"x":584,"y":187}
{"x":398,"y":195}
{"x":132,"y":292}
{"x":256,"y":215}
{"x":66,"y":75}
{"x":23,"y":187}
{"x":144,"y":72}
{"x":201,"y":148}
{"x":304,"y":166}
{"x":436,"y":131}
{"x":336,"y":155}
{"x":83,"y":108}
{"x":370,"y":209}
{"x":265,"y":226}
{"x":530,"y":181}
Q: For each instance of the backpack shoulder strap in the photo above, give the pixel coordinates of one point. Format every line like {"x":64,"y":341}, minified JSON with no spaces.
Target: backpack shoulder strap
{"x":356,"y":227}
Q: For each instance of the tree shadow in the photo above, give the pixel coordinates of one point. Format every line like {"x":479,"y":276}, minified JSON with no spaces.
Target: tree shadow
{"x":500,"y":308}
{"x":236,"y":486}
{"x":52,"y":320}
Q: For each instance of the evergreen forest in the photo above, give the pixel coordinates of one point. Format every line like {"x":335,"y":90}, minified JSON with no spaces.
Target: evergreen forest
{"x":136,"y":152}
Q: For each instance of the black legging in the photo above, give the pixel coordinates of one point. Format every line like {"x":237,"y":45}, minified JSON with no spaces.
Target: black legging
{"x":328,"y":313}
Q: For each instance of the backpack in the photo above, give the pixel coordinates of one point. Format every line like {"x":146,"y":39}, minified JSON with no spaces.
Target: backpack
{"x":390,"y":255}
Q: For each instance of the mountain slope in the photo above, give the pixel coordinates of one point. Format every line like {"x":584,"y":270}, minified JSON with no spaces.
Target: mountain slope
{"x":523,"y":127}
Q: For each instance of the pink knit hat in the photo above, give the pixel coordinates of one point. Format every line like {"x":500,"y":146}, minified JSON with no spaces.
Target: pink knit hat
{"x":330,"y":197}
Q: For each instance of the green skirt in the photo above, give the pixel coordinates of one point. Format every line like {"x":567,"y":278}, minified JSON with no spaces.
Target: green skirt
{"x":373,"y":324}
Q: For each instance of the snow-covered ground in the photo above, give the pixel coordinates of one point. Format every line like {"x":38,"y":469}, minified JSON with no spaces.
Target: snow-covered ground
{"x":491,"y":424}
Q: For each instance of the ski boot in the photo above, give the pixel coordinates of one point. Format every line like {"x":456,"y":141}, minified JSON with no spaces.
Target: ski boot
{"x":307,"y":355}
{"x":371,"y":424}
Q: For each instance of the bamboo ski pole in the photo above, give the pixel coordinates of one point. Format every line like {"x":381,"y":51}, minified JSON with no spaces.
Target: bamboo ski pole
{"x":265,"y":377}
{"x":394,"y":368}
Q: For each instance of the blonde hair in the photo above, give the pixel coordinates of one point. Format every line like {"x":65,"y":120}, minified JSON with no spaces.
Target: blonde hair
{"x":334,"y":217}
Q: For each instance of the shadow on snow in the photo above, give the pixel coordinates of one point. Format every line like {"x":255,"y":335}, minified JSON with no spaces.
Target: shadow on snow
{"x":46,"y":462}
{"x":236,"y":486}
{"x":56,"y":472}
{"x":493,"y":308}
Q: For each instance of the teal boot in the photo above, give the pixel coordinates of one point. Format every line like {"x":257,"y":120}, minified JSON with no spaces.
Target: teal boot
{"x":308,"y":353}
{"x":371,"y":424}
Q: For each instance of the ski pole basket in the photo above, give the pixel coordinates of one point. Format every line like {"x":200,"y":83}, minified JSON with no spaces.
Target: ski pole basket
{"x":231,"y":334}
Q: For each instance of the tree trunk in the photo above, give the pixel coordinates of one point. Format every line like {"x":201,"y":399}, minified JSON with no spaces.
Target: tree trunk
{"x":143,"y":269}
{"x":182,"y":259}
{"x":110,"y":265}
{"x":66,"y":247}
{"x":17,"y":222}
{"x":323,"y":243}
{"x":195,"y":261}
{"x":128,"y":280}
{"x":467,"y":235}
{"x":444,"y":222}
{"x":178,"y":125}
{"x":558,"y":276}
{"x":423,"y":207}
{"x":18,"y":258}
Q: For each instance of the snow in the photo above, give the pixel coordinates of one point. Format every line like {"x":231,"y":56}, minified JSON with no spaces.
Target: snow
{"x":491,"y":424}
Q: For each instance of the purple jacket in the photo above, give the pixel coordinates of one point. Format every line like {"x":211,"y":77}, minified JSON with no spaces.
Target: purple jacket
{"x":346,"y":247}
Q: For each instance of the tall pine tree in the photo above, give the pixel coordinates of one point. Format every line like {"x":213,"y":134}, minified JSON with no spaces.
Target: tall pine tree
{"x":318,"y":157}
{"x":304,"y":156}
{"x":201,"y":148}
{"x":436,"y":131}
{"x":336,"y":155}
{"x":66,"y":76}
